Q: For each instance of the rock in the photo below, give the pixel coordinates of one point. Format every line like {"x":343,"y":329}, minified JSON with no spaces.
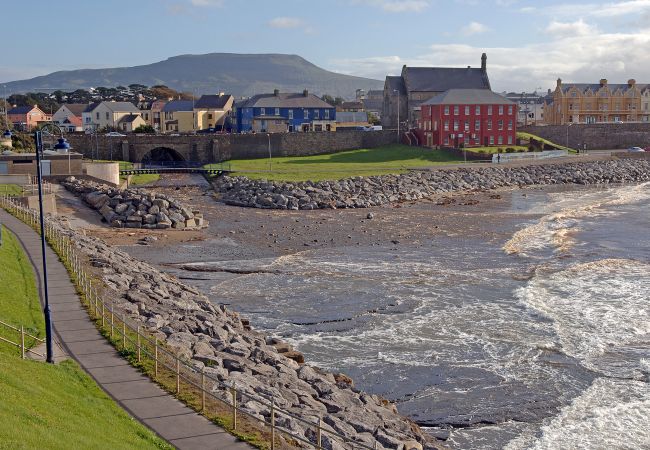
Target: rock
{"x":370,"y":216}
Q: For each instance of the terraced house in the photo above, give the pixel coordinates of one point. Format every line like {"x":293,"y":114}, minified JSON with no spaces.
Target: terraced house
{"x":601,"y":102}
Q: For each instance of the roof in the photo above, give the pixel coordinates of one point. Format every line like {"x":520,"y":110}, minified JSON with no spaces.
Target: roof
{"x":178,"y":105}
{"x":374,"y":93}
{"x":395,"y":84}
{"x":212,"y":101}
{"x":121,"y":107}
{"x":351,"y":105}
{"x":468,"y":97}
{"x":76,"y":108}
{"x":440,"y":79}
{"x":345,"y":116}
{"x":373,"y":105}
{"x":91,"y":107}
{"x":20,"y":109}
{"x":130,"y":118}
{"x":285,"y":100}
{"x":584,"y":87}
{"x":72,"y":120}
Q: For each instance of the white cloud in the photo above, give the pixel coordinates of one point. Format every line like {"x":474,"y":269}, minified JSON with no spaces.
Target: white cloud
{"x":601,"y":10}
{"x":585,"y":57}
{"x":218,"y":3}
{"x":474,"y":28}
{"x":396,"y":6}
{"x":286,"y":22}
{"x":577,"y":28}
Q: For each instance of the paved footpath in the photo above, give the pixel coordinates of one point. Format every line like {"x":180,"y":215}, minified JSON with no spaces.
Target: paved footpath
{"x":136,"y":393}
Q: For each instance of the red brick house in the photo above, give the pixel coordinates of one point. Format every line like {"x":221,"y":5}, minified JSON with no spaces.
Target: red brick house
{"x":27,"y":117}
{"x":468,"y":117}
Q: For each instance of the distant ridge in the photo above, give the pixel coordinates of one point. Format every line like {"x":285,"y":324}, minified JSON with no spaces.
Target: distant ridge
{"x":237,"y":74}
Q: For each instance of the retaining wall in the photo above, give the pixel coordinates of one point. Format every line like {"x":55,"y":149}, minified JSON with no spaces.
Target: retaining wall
{"x":597,"y":136}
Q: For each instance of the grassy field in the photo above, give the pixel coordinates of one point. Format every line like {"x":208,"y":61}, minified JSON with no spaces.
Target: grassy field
{"x":528,"y":136}
{"x":491,"y":150}
{"x":51,"y":406}
{"x":365,"y":162}
{"x":11,"y":189}
{"x":136,"y":180}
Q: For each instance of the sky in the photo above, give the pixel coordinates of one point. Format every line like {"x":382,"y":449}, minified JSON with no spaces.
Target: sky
{"x":529,"y":43}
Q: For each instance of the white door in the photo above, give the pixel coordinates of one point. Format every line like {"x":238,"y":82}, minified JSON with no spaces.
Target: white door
{"x":46,"y":167}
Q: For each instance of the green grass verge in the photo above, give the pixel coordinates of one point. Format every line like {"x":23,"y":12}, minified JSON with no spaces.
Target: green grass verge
{"x":491,"y":150}
{"x":19,"y":300}
{"x":59,"y":406}
{"x":10,"y":189}
{"x":137,"y":180}
{"x":528,"y":136}
{"x":392,"y":159}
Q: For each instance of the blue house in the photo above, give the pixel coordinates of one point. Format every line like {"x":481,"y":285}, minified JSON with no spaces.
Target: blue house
{"x":284,"y":112}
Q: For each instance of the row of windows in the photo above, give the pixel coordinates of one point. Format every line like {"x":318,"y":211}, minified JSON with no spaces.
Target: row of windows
{"x":604,"y":107}
{"x":466,"y":125}
{"x":276,"y":112}
{"x":477,"y":140}
{"x":477,"y":110}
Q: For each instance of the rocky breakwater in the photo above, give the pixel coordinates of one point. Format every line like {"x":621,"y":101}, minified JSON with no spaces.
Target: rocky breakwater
{"x":135,"y":208}
{"x":224,"y":345}
{"x":365,"y":192}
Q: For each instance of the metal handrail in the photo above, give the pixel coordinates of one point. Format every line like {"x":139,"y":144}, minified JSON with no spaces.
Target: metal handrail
{"x":21,"y":345}
{"x":104,"y":313}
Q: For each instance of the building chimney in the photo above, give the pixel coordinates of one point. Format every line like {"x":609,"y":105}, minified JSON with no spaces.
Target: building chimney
{"x":631,"y":82}
{"x":603,"y":82}
{"x":276,"y":92}
{"x":221,"y":93}
{"x":559,"y":82}
{"x":305,"y":93}
{"x":484,"y":62}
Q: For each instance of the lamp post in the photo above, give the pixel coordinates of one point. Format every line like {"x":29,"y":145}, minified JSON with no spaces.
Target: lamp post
{"x":62,"y":144}
{"x":397,"y":92}
{"x":268,"y":135}
{"x":567,"y":133}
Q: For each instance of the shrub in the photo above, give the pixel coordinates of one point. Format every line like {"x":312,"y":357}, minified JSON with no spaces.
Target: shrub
{"x":510,"y":150}
{"x":481,"y":151}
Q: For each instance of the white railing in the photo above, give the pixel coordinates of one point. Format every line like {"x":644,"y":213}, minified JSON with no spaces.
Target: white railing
{"x":509,"y":157}
{"x":209,"y":395}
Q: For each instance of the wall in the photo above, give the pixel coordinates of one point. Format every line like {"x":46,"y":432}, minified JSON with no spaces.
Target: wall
{"x":31,"y":201}
{"x":15,"y":179}
{"x":104,"y":171}
{"x":221,"y":147}
{"x":596,"y":136}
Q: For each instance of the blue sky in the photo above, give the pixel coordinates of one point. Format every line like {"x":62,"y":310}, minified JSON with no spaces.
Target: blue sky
{"x":529,"y":43}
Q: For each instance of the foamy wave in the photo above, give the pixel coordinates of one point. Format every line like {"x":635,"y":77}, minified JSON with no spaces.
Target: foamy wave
{"x":557,"y":229}
{"x":610,"y":414}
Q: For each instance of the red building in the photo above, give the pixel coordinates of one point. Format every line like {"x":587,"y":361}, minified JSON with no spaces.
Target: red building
{"x":468,"y":117}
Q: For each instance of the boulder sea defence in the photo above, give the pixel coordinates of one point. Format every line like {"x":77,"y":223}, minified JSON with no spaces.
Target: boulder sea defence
{"x":366,"y":192}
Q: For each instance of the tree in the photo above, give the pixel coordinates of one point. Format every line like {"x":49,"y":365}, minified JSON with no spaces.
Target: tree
{"x":145,"y":129}
{"x":373,"y":119}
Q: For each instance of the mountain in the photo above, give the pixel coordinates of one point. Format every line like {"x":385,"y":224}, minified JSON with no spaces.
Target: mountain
{"x":236,"y":74}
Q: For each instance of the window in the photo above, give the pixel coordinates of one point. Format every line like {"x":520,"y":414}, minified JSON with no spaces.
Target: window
{"x":500,"y":110}
{"x":510,"y":124}
{"x":327,"y":114}
{"x":500,"y":124}
{"x":489,"y":110}
{"x":262,"y":111}
{"x":277,"y":111}
{"x":209,"y":116}
{"x":510,"y":109}
{"x":435,"y":125}
{"x":447,"y":110}
{"x":446,"y":128}
{"x":509,"y":140}
{"x":467,"y":125}
{"x":491,"y":140}
{"x":500,"y":140}
{"x":446,"y":140}
{"x":97,"y":115}
{"x":107,"y":115}
{"x":291,"y":114}
{"x":455,"y":125}
{"x":478,"y":110}
{"x":477,"y":125}
{"x":456,"y":110}
{"x":489,"y":124}
{"x":306,"y":114}
{"x":467,"y":110}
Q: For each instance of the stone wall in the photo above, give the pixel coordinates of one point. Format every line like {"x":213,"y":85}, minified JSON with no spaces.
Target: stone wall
{"x":217,"y":148}
{"x":597,"y":136}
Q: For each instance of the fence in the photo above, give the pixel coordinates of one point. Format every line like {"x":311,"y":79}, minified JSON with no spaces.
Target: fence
{"x":509,"y":157}
{"x":30,"y":188}
{"x":24,"y":336}
{"x":201,"y":391}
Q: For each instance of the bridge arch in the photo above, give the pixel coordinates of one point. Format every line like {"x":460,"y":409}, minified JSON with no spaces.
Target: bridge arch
{"x":163,"y":156}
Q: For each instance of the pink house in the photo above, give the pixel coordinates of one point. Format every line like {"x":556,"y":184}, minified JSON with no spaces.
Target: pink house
{"x":27,"y":117}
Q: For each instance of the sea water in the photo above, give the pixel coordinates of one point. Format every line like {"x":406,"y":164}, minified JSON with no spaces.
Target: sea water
{"x":541,"y":341}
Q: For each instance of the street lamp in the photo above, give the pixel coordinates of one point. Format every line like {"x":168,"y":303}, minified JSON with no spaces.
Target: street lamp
{"x":268,"y":135}
{"x":567,"y":133}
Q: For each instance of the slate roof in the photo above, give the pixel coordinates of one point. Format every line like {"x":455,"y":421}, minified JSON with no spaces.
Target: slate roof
{"x":584,"y":87}
{"x":212,"y":101}
{"x":351,"y":105}
{"x":91,"y":107}
{"x":284,"y":100}
{"x":76,"y":108}
{"x":178,"y":105}
{"x":122,"y":107}
{"x":20,"y":110}
{"x":129,"y":118}
{"x":395,"y":84}
{"x":468,"y":97}
{"x":375,"y":93}
{"x":440,"y":79}
{"x":373,"y":105}
{"x":345,"y":116}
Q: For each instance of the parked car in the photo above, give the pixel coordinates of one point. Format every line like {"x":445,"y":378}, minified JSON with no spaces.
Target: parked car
{"x":635,"y":150}
{"x":647,"y":149}
{"x":115,"y":133}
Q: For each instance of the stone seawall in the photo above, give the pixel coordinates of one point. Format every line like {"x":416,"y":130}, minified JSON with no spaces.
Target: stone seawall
{"x":221,"y":343}
{"x":379,"y":190}
{"x":597,"y":136}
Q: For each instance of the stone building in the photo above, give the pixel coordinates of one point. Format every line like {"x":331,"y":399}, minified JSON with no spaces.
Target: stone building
{"x":416,"y":85}
{"x":598,"y":103}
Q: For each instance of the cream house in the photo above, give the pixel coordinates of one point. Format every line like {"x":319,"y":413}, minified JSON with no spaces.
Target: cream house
{"x":178,"y":117}
{"x":69,"y":116}
{"x":211,"y":111}
{"x":107,"y":115}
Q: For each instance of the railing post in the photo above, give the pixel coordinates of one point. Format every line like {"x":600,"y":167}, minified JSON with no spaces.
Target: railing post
{"x":178,"y":375}
{"x":272,"y":424}
{"x":203,"y":389}
{"x":319,"y":433}
{"x":139,"y":352}
{"x":233,"y":393}
{"x":103,"y":315}
{"x":22,"y":342}
{"x":123,"y":333}
{"x":112,"y":322}
{"x":155,"y":358}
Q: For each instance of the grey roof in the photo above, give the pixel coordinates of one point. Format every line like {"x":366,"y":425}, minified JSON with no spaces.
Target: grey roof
{"x":440,"y":79}
{"x":91,"y":107}
{"x":373,"y":105}
{"x":212,"y":101}
{"x":374,"y":93}
{"x":76,"y":108}
{"x":129,"y":118}
{"x":178,"y":105}
{"x":345,"y":116}
{"x":351,"y":105}
{"x":395,"y":84}
{"x":468,"y":97}
{"x":284,"y":100}
{"x":20,"y":110}
{"x":584,"y":87}
{"x":121,"y":107}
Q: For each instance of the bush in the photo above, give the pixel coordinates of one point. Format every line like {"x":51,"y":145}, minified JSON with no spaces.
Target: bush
{"x":145,"y":129}
{"x":481,"y":151}
{"x":510,"y":150}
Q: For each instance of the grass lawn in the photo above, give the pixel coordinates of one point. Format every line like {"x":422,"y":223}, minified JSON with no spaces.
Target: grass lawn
{"x":11,"y":189}
{"x":528,"y":136}
{"x":491,"y":150}
{"x":136,"y":180}
{"x":364,"y":162}
{"x":59,"y":406}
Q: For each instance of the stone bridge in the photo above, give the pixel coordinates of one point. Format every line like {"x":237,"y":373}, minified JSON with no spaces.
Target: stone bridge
{"x":208,"y":148}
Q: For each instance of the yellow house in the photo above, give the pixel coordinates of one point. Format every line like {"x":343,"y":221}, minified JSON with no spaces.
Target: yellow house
{"x":130,"y":122}
{"x":212,"y":110}
{"x":598,"y":103}
{"x":178,"y":117}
